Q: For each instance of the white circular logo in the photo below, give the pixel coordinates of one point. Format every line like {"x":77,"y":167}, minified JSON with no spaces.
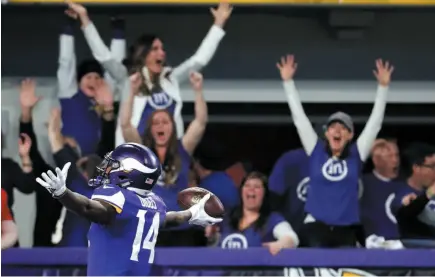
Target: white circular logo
{"x":160,"y":100}
{"x":235,"y":241}
{"x":334,"y":169}
{"x":302,"y":189}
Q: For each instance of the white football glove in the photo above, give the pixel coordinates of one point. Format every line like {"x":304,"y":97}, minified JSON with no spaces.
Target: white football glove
{"x":56,"y":185}
{"x":199,"y":216}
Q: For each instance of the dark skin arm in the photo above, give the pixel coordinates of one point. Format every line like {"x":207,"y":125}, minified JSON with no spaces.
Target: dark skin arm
{"x":96,"y":211}
{"x":174,"y":219}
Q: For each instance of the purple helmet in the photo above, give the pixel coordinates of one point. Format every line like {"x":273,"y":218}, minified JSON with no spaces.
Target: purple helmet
{"x":129,"y":165}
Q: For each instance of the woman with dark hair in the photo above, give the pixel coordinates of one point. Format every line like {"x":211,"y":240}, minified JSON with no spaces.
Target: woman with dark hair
{"x":252,"y":223}
{"x":174,"y":154}
{"x":335,"y":163}
{"x":159,"y":83}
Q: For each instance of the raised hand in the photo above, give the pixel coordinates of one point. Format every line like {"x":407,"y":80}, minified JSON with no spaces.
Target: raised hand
{"x":54,"y":122}
{"x":136,"y":83}
{"x":221,"y":13}
{"x":383,"y":72}
{"x":103,"y":94}
{"x":24,"y":144}
{"x":200,"y":216}
{"x":196,"y":80}
{"x":75,"y":10}
{"x":287,"y":67}
{"x":408,"y":199}
{"x":55,"y":184}
{"x":28,"y":99}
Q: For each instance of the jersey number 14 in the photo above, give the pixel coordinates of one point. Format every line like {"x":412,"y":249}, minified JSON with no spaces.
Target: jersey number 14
{"x":149,"y":242}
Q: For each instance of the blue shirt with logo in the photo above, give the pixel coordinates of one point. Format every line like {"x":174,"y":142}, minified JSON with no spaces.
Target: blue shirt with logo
{"x":156,"y":101}
{"x":376,"y":207}
{"x":333,"y":192}
{"x":290,"y":179}
{"x":249,"y":237}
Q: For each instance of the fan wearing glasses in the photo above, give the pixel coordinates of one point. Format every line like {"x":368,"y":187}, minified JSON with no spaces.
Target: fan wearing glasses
{"x":414,"y":204}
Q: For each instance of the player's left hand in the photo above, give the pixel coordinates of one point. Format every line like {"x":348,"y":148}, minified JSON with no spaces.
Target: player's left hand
{"x":56,"y":185}
{"x":199,"y":215}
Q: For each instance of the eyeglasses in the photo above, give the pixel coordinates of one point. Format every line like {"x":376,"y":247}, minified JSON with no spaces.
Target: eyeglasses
{"x":430,"y":166}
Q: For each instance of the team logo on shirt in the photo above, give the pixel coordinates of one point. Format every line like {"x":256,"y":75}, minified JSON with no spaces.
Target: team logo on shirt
{"x":235,"y":241}
{"x":160,"y":100}
{"x":302,"y":189}
{"x":388,"y":211}
{"x":335,"y":169}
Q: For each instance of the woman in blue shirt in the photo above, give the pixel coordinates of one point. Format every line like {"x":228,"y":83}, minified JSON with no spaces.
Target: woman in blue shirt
{"x":252,"y":223}
{"x":175,"y":155}
{"x":335,"y":163}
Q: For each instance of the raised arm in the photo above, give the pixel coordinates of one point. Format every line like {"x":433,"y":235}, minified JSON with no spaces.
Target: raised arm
{"x":118,"y":48}
{"x":66,"y":71}
{"x":307,"y":134}
{"x":197,"y":127}
{"x":129,"y":132}
{"x":99,"y":50}
{"x":60,"y":151}
{"x":208,"y":46}
{"x":94,"y":210}
{"x":28,"y":100}
{"x":373,"y":126}
{"x":104,"y":98}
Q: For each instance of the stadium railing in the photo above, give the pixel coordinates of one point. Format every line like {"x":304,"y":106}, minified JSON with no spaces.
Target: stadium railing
{"x":253,"y":261}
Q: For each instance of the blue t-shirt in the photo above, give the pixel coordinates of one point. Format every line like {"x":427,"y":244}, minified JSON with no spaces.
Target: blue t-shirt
{"x":333,"y":192}
{"x":376,"y":213}
{"x":223,"y":187}
{"x":250,"y":237}
{"x":126,"y":246}
{"x":290,"y":179}
{"x":169,"y":193}
{"x":81,"y":121}
{"x":157,"y":101}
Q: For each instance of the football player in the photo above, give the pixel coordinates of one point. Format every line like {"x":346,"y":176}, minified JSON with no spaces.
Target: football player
{"x":125,"y":214}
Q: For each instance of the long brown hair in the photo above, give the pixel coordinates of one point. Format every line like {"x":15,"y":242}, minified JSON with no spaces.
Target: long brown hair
{"x":236,"y":213}
{"x":172,"y":163}
{"x":135,"y":62}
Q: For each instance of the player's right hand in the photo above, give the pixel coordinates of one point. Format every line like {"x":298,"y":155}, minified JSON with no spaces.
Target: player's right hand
{"x":56,"y":185}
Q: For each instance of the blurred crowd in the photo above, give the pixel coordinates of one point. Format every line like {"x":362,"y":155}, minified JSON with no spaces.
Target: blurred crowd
{"x":315,"y":196}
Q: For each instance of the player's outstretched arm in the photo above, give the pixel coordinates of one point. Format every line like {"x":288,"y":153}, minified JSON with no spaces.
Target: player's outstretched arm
{"x":93,"y":210}
{"x":194,"y":215}
{"x":174,"y":219}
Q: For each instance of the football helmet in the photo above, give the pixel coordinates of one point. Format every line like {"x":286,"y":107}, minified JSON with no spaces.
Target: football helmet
{"x":129,"y":165}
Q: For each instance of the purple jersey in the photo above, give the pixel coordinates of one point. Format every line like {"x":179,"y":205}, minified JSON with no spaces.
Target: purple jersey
{"x":250,"y":237}
{"x":126,"y":246}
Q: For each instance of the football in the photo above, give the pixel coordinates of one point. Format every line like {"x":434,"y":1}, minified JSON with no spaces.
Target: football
{"x":190,"y":196}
